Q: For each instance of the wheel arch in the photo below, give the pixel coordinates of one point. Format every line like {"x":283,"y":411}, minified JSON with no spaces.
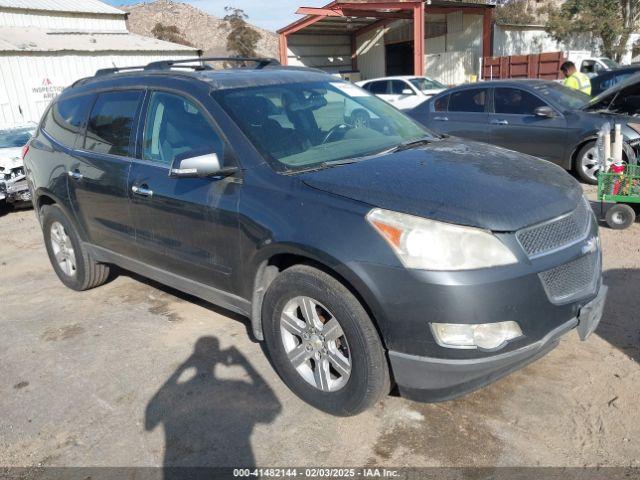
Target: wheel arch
{"x":279,"y":259}
{"x":44,"y":198}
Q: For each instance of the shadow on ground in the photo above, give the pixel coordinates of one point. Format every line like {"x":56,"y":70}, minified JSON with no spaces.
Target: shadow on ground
{"x":618,"y":327}
{"x":208,"y":416}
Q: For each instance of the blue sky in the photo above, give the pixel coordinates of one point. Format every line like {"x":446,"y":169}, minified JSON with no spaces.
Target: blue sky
{"x":269,"y":14}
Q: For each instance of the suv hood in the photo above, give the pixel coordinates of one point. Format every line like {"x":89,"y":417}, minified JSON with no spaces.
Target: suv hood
{"x":458,"y":182}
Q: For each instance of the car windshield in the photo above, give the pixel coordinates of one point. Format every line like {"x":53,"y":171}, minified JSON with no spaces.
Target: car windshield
{"x":609,"y":63}
{"x":424,"y":84}
{"x":14,"y":138}
{"x":299,"y":126}
{"x":565,"y":97}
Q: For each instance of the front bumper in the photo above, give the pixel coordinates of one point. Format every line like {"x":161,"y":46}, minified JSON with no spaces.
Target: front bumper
{"x":437,"y":379}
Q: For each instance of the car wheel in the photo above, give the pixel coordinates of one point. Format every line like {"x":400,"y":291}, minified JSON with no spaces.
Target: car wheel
{"x":587,"y":165}
{"x":70,"y":260}
{"x":322,"y":342}
{"x":620,"y":216}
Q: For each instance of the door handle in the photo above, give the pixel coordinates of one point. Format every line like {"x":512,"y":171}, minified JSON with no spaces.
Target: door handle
{"x":441,"y":119}
{"x":499,"y":122}
{"x":142,"y":190}
{"x":75,"y":174}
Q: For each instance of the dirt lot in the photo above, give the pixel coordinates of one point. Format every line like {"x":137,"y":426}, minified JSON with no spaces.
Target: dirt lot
{"x":135,"y":374}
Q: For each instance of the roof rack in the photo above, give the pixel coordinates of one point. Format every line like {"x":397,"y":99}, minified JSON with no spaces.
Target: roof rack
{"x":189,"y":63}
{"x":168,"y":64}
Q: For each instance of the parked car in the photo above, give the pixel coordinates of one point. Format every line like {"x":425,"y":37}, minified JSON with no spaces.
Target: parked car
{"x":403,"y":92}
{"x":610,"y":78}
{"x":363,"y":255}
{"x":13,"y":183}
{"x":537,"y":117}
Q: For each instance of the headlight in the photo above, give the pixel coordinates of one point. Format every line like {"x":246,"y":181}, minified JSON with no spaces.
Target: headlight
{"x":430,"y":245}
{"x":488,"y":336}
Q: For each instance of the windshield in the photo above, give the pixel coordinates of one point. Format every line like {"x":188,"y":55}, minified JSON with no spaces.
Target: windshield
{"x":424,"y":84}
{"x":565,"y":97}
{"x":15,"y":138}
{"x":298,"y":126}
{"x":609,"y":63}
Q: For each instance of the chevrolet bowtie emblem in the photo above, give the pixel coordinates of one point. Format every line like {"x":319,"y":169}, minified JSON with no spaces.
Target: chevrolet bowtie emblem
{"x":590,"y":246}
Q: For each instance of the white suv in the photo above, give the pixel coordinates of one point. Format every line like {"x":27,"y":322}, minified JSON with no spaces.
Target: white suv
{"x":403,"y":92}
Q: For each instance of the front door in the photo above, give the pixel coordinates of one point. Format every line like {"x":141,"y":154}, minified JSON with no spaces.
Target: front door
{"x":98,"y":174}
{"x":185,"y":226}
{"x":515,"y":126}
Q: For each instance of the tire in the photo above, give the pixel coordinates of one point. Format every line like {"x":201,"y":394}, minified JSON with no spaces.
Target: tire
{"x":78,"y":270}
{"x":339,"y":392}
{"x":620,"y":216}
{"x":584,"y":164}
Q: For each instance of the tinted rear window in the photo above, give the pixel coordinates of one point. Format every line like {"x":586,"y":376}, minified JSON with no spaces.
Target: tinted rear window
{"x":66,"y":117}
{"x":471,"y":100}
{"x":110,"y":123}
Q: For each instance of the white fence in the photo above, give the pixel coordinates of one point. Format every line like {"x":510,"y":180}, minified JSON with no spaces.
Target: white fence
{"x":452,"y":68}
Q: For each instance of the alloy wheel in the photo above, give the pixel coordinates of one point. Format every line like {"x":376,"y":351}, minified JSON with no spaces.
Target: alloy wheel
{"x":315,"y":344}
{"x":63,"y":249}
{"x":589,"y":163}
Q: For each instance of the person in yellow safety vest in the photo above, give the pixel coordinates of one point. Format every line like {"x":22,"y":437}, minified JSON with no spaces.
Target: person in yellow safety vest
{"x":575,"y":79}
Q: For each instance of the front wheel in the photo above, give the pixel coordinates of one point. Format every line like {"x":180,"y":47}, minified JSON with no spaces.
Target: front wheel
{"x":620,"y":216}
{"x":322,"y":342}
{"x":587,"y":166}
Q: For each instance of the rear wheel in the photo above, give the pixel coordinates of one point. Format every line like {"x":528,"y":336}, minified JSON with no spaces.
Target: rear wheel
{"x":587,"y":166}
{"x":70,"y":260}
{"x":620,"y":216}
{"x":322,"y":342}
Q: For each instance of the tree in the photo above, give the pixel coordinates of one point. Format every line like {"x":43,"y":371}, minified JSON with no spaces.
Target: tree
{"x":514,"y":12}
{"x":610,"y":21}
{"x":242,"y":39}
{"x":169,"y":33}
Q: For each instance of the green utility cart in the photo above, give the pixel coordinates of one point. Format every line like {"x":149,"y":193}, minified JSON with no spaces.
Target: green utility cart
{"x":623,"y":189}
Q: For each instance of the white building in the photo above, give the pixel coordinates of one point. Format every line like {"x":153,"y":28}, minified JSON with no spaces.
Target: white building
{"x":45,"y":45}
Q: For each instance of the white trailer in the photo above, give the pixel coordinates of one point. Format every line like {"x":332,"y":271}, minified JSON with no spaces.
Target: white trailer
{"x":46,"y":45}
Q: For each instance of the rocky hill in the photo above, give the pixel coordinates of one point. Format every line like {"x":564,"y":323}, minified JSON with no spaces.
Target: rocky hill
{"x":200,"y":29}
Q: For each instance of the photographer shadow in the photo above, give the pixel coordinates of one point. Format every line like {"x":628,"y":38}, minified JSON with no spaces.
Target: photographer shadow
{"x":208,"y":420}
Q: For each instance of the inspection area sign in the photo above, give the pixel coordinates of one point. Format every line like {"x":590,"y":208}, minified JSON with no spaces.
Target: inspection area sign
{"x":47,"y":88}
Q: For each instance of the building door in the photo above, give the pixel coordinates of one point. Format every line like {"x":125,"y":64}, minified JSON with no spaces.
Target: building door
{"x":399,"y":58}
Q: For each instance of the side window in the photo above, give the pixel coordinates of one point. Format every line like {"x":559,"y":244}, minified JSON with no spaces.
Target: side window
{"x":441,"y":104}
{"x":378,"y":88}
{"x":588,"y":66}
{"x":66,"y":117}
{"x":513,"y":101}
{"x":110,"y":123}
{"x":398,"y":86}
{"x":472,"y":100}
{"x":176,"y":128}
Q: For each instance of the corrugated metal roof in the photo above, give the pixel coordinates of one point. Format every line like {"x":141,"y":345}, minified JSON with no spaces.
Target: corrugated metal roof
{"x":37,"y":40}
{"x":79,"y":6}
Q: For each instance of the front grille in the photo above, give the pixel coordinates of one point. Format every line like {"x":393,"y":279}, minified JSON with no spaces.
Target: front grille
{"x":558,"y":233}
{"x":572,"y":280}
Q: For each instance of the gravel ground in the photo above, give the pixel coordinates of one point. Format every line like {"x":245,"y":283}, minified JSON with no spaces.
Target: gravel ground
{"x":135,"y":374}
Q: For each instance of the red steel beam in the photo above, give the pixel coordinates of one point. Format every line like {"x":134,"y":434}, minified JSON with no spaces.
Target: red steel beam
{"x":418,"y":39}
{"x":486,"y":32}
{"x":283,"y":49}
{"x":326,"y":12}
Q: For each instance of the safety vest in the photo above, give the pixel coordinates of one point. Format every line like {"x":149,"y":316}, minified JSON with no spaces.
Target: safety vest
{"x":579,"y":81}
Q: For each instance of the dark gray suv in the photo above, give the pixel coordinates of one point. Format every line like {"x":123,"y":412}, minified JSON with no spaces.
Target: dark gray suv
{"x":366,"y":253}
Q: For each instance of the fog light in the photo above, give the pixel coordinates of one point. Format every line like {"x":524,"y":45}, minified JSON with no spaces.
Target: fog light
{"x":488,"y":336}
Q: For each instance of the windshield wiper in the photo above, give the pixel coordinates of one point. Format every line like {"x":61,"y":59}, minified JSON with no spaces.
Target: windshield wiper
{"x":408,"y":145}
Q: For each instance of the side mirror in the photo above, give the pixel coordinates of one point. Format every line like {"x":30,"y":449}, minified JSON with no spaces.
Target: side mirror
{"x":408,"y":91}
{"x":197,"y":167}
{"x":545,"y":112}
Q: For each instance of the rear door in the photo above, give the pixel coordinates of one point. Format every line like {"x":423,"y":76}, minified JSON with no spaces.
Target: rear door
{"x":400,"y":96}
{"x":186,"y":226}
{"x":515,"y":126}
{"x":380,"y":88}
{"x":98,"y":174}
{"x":466,"y":116}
